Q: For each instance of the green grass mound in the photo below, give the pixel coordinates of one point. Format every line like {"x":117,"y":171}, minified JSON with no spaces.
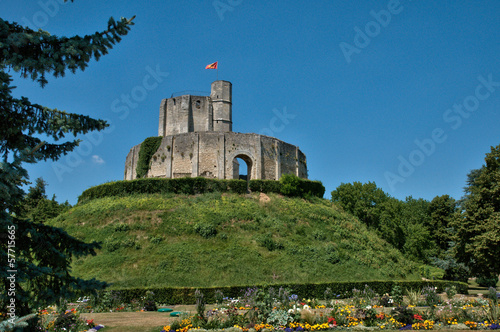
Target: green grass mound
{"x":227,"y":239}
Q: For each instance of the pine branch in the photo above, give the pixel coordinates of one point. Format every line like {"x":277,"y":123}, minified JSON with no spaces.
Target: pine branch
{"x":36,"y":53}
{"x":20,"y":120}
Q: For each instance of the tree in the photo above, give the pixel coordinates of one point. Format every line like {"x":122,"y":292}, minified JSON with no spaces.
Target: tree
{"x":404,"y":224}
{"x":478,"y":225}
{"x":390,"y":227}
{"x":37,"y":207}
{"x":361,"y":200}
{"x":415,"y":220}
{"x":442,"y":211}
{"x":42,"y":253}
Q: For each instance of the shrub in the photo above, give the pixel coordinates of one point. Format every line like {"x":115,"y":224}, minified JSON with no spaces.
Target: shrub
{"x":200,"y":304}
{"x":431,"y":297}
{"x":156,"y":239}
{"x":397,"y":295}
{"x":111,"y":245}
{"x":487,"y":281}
{"x":218,"y":297}
{"x":205,"y":230}
{"x":451,"y":291}
{"x":290,"y":185}
{"x":403,"y":315}
{"x":268,"y":242}
{"x":413,"y":296}
{"x":149,"y":302}
{"x":121,"y":228}
{"x":319,"y":235}
{"x":279,"y":317}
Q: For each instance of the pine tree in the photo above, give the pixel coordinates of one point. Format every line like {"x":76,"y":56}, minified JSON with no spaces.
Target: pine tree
{"x":37,"y":207}
{"x":42,"y":253}
{"x":478,"y":226}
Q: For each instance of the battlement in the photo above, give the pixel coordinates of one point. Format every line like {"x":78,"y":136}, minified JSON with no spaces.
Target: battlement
{"x":188,"y":113}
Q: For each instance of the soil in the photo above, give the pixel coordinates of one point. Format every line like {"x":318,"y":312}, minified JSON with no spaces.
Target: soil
{"x":137,"y":319}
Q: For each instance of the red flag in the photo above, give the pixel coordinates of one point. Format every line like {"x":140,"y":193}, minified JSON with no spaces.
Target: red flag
{"x":212,"y":65}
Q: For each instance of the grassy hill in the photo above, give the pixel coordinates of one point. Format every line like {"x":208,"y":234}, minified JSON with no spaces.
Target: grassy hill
{"x":227,"y":239}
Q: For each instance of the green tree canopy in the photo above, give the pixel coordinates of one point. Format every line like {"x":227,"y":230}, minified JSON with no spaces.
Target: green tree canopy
{"x":404,"y":224}
{"x":37,"y":207}
{"x":442,"y":210}
{"x":478,"y":225}
{"x":42,"y":253}
{"x":362,"y":200}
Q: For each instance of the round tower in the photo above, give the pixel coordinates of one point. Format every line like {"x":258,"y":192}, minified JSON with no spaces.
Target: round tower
{"x":221,"y":96}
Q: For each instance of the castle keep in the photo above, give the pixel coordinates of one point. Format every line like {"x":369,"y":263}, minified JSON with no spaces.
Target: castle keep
{"x":198,"y":141}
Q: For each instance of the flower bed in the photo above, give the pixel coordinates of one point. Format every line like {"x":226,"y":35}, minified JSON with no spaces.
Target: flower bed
{"x":258,"y":311}
{"x":269,"y":309}
{"x":69,"y":321}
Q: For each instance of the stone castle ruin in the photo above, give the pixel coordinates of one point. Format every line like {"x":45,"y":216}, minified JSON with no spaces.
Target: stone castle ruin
{"x":198,"y":141}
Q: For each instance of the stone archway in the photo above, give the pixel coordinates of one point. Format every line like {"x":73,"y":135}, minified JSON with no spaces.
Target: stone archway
{"x":236,"y":174}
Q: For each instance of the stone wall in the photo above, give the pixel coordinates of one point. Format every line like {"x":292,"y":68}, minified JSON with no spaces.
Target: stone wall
{"x":185,"y":114}
{"x":212,"y":155}
{"x":198,"y":141}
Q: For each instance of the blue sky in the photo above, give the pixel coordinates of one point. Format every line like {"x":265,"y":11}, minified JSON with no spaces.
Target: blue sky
{"x":402,"y":93}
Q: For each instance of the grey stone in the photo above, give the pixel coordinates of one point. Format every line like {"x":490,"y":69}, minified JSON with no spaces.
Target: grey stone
{"x":198,"y":141}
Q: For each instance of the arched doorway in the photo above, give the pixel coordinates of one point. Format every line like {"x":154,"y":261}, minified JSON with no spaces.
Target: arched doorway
{"x":242,"y":167}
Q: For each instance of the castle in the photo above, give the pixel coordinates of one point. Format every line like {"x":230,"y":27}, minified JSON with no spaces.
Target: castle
{"x":198,"y":141}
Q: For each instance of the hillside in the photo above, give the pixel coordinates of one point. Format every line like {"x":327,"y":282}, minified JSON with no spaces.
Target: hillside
{"x":227,"y":239}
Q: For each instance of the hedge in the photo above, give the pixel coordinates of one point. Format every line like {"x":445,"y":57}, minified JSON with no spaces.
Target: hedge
{"x":172,"y":295}
{"x":191,"y":186}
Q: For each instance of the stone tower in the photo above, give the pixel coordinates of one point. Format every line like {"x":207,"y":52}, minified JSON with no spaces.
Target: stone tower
{"x":189,"y":114}
{"x":222,"y":105}
{"x":198,"y":140}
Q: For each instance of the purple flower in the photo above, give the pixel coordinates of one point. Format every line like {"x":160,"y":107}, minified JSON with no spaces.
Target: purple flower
{"x":407,"y":327}
{"x":299,"y":328}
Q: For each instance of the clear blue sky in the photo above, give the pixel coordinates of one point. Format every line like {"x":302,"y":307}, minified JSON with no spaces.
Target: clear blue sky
{"x":367,"y":85}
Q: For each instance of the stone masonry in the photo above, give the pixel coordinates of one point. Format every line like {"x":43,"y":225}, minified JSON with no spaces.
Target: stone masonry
{"x":198,"y":141}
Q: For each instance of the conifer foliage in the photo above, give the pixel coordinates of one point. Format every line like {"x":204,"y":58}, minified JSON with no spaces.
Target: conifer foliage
{"x":42,"y":253}
{"x":478,"y":226}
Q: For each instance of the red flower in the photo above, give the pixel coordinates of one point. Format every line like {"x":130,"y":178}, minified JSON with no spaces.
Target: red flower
{"x":332,"y":320}
{"x":417,"y":317}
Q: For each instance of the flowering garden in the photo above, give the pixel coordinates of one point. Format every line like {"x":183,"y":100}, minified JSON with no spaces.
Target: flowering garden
{"x":258,"y":310}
